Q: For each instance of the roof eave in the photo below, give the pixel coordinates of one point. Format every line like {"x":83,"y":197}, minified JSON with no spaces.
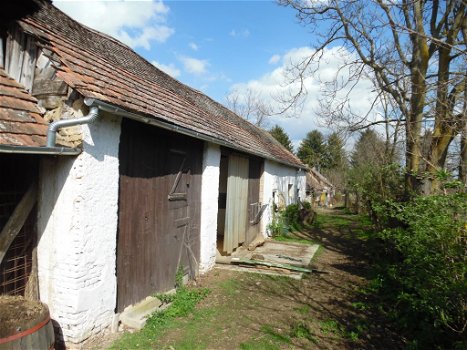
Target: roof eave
{"x":113,"y":109}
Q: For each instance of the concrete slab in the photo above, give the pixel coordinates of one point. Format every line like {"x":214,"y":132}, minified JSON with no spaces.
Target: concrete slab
{"x":135,"y":316}
{"x":297,"y":254}
{"x":263,"y":271}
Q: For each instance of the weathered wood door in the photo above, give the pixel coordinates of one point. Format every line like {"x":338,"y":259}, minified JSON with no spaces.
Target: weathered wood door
{"x":159,"y":210}
{"x":236,"y":218}
{"x":254,"y":205}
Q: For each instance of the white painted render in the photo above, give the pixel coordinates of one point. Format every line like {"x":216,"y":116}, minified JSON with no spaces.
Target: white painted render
{"x":209,"y":204}
{"x":285,"y":182}
{"x":78,"y":218}
{"x":77,"y":225}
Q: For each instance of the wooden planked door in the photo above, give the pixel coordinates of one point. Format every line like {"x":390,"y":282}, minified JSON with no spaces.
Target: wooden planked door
{"x":236,"y":217}
{"x":159,"y":210}
{"x":254,"y":206}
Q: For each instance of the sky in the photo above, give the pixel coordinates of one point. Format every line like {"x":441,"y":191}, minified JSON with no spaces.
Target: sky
{"x":219,"y":47}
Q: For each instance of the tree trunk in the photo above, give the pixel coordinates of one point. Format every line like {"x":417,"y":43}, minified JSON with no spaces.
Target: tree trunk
{"x":418,"y":69}
{"x":463,"y":155}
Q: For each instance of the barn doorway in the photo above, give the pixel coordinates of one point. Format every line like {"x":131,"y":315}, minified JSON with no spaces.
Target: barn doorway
{"x":239,"y":201}
{"x":159,"y":210}
{"x":17,"y":173}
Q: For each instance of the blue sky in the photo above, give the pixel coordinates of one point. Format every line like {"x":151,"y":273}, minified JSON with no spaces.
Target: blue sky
{"x":219,"y":47}
{"x":237,"y":39}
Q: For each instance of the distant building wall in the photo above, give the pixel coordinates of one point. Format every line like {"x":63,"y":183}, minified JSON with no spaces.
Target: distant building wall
{"x":77,"y":225}
{"x":209,"y":205}
{"x":282,"y":185}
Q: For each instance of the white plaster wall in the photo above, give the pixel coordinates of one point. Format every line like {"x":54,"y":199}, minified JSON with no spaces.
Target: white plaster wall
{"x":276,"y":178}
{"x":78,"y":216}
{"x":209,"y":205}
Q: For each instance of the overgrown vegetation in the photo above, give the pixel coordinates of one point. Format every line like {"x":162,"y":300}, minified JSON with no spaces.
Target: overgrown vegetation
{"x":292,"y":218}
{"x":421,"y":266}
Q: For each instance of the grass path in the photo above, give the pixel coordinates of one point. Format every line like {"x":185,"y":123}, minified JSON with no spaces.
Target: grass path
{"x":249,"y":311}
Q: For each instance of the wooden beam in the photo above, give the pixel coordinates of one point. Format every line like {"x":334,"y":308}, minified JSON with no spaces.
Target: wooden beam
{"x":17,"y":219}
{"x":242,"y":261}
{"x":49,"y":87}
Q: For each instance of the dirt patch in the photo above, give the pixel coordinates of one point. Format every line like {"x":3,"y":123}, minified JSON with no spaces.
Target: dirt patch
{"x":322,"y":311}
{"x":16,"y":312}
{"x":325,"y":310}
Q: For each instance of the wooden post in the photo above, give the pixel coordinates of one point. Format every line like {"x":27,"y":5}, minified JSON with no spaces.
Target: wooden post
{"x":31,"y":291}
{"x":17,"y":219}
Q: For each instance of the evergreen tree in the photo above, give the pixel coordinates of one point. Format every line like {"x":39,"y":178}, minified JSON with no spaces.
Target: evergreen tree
{"x":335,"y":156}
{"x":280,"y":135}
{"x":335,"y":164}
{"x":312,"y":149}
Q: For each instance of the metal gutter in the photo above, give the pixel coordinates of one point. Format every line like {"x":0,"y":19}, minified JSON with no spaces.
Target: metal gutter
{"x":178,"y":129}
{"x":63,"y":123}
{"x":40,"y":150}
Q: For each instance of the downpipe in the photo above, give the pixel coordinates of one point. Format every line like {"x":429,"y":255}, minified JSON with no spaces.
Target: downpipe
{"x":59,"y":124}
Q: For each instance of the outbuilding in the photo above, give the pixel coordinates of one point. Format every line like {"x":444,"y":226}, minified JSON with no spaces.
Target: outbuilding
{"x":135,"y":174}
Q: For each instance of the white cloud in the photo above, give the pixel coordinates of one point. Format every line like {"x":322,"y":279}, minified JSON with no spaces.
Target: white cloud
{"x":136,"y":23}
{"x":193,"y":46}
{"x":276,"y":83}
{"x":193,"y":65}
{"x":170,"y":69}
{"x":245,"y":33}
{"x":274,"y":59}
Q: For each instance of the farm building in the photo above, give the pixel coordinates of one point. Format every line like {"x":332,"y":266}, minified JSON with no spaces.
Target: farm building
{"x":115,"y":175}
{"x":320,"y":190}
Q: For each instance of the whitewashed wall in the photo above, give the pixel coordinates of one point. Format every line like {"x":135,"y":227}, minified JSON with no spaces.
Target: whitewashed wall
{"x":209,"y":203}
{"x":276,"y":179}
{"x":78,"y":216}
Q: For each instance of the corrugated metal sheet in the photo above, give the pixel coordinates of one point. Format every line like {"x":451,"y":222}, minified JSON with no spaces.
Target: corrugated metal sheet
{"x":21,"y":122}
{"x":99,"y":66}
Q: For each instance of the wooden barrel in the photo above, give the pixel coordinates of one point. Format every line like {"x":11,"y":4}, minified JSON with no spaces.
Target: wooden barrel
{"x":29,"y":326}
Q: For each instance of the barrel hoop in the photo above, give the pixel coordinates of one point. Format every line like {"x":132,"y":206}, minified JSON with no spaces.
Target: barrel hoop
{"x":26,"y":332}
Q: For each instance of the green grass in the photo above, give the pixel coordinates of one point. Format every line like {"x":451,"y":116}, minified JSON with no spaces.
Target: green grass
{"x":292,"y":239}
{"x":330,"y":327}
{"x":230,"y":286}
{"x":303,"y":310}
{"x":183,"y":304}
{"x":340,"y":220}
{"x":260,"y":344}
{"x":301,"y":330}
{"x":275,"y":335}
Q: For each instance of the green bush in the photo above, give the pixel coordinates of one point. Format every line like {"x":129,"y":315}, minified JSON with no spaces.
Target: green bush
{"x":290,"y":219}
{"x":423,"y":274}
{"x":291,"y":215}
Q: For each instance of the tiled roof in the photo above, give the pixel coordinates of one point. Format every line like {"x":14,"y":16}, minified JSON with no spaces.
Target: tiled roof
{"x":317,"y":180}
{"x":101,"y":67}
{"x":21,"y":123}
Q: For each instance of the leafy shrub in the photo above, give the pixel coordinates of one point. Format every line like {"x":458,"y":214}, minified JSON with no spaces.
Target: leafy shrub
{"x":292,"y":218}
{"x":376,"y":184}
{"x":423,"y":275}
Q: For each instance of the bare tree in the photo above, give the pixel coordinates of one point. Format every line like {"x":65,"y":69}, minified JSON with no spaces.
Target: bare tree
{"x":414,"y":52}
{"x":250,"y":106}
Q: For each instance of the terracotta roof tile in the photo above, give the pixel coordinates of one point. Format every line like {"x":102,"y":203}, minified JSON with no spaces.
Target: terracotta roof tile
{"x":99,"y":66}
{"x":21,"y":123}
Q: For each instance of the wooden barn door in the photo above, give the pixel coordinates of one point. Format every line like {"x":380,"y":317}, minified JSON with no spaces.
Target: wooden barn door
{"x":159,"y":210}
{"x":236,"y":218}
{"x":254,"y":206}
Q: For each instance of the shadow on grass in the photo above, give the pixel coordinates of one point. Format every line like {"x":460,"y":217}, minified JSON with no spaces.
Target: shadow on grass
{"x":332,"y":305}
